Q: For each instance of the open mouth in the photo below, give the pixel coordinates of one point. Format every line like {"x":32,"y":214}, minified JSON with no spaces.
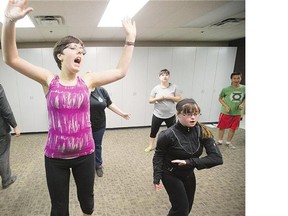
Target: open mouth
{"x":77,"y":60}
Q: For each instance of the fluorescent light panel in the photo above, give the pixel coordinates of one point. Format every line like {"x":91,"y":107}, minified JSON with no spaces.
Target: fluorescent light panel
{"x":118,"y":9}
{"x":23,"y":23}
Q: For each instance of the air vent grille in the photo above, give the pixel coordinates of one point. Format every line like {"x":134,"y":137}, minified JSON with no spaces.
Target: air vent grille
{"x":228,"y":22}
{"x":49,"y":20}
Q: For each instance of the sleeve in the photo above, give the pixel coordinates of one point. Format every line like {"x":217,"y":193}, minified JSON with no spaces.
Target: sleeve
{"x":158,"y":159}
{"x":106,"y":96}
{"x":213,"y":156}
{"x":5,"y":109}
{"x":153,"y":92}
{"x":177,"y":91}
{"x":222,"y":93}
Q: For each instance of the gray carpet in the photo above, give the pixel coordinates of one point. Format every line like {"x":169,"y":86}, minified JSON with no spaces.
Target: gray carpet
{"x":126,"y":187}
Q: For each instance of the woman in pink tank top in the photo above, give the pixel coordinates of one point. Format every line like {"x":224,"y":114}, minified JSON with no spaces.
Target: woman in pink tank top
{"x":70,"y":144}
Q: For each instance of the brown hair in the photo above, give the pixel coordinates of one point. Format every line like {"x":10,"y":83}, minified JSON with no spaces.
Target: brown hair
{"x":61,"y":45}
{"x":188,"y":105}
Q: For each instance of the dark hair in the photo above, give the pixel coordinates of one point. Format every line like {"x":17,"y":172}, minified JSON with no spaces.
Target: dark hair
{"x":61,"y":45}
{"x":235,"y":74}
{"x":164,"y":71}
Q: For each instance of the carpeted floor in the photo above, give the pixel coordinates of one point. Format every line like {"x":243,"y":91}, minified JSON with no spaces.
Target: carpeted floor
{"x":126,"y":187}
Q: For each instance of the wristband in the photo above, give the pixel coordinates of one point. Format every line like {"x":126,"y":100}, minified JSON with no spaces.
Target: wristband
{"x":129,"y":43}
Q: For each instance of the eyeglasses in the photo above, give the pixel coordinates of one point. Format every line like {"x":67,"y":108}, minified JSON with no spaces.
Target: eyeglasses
{"x":78,"y":49}
{"x":196,"y":114}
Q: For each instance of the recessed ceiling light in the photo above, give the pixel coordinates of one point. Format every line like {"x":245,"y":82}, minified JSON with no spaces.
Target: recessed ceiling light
{"x":118,"y":9}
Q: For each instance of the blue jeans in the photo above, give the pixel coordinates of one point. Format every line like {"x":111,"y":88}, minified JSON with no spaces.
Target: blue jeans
{"x":98,"y":137}
{"x":5,"y":171}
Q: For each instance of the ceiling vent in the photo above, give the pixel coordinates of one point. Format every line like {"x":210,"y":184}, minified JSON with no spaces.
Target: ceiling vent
{"x":228,"y":22}
{"x":49,"y":20}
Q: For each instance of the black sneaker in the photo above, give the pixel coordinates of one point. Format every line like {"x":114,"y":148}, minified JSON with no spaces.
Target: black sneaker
{"x":11,"y":181}
{"x":99,"y":171}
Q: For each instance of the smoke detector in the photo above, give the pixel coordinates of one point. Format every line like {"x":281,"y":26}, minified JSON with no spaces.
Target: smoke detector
{"x":49,"y":20}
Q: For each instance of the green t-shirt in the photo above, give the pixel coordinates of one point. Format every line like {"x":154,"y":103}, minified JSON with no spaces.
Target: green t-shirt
{"x":233,"y":97}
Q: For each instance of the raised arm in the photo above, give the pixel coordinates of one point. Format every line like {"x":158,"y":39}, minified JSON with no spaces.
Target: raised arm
{"x":120,"y":71}
{"x":16,"y":10}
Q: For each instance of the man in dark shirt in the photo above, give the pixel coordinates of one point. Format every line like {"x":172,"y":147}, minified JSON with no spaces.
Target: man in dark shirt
{"x":7,"y":120}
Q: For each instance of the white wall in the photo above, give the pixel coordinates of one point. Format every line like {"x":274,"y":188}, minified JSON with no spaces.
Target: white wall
{"x":200,"y":72}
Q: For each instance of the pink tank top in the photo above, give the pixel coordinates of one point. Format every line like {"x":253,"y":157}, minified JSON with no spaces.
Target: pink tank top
{"x":69,"y":132}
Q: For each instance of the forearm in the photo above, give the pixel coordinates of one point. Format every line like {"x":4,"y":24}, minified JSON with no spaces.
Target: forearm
{"x":8,"y":41}
{"x":213,"y":157}
{"x":153,"y":100}
{"x":173,"y":98}
{"x":116,"y":110}
{"x":221,"y":100}
{"x":125,"y":60}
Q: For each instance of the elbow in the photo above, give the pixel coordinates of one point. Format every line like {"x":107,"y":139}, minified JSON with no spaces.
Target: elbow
{"x":8,"y":61}
{"x":220,"y":160}
{"x":178,"y":99}
{"x":217,"y":161}
{"x":120,"y":75}
{"x":5,"y":60}
{"x":121,"y":72}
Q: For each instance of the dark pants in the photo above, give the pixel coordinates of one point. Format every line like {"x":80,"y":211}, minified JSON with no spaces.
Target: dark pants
{"x":98,"y":137}
{"x":5,"y":170}
{"x":58,"y":180}
{"x":181,"y":190}
{"x":156,"y":124}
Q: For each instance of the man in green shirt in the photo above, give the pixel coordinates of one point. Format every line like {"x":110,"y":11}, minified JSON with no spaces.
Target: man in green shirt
{"x":232,"y":99}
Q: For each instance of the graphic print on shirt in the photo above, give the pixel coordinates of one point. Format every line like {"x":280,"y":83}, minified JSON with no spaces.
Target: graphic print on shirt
{"x":236,"y":97}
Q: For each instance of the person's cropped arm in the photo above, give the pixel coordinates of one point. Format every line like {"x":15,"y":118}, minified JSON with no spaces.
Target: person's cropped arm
{"x":5,"y":109}
{"x":118,"y":111}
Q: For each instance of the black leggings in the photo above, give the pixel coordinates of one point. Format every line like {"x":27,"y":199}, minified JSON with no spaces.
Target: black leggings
{"x":58,"y":180}
{"x":181,"y":191}
{"x":156,"y":124}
